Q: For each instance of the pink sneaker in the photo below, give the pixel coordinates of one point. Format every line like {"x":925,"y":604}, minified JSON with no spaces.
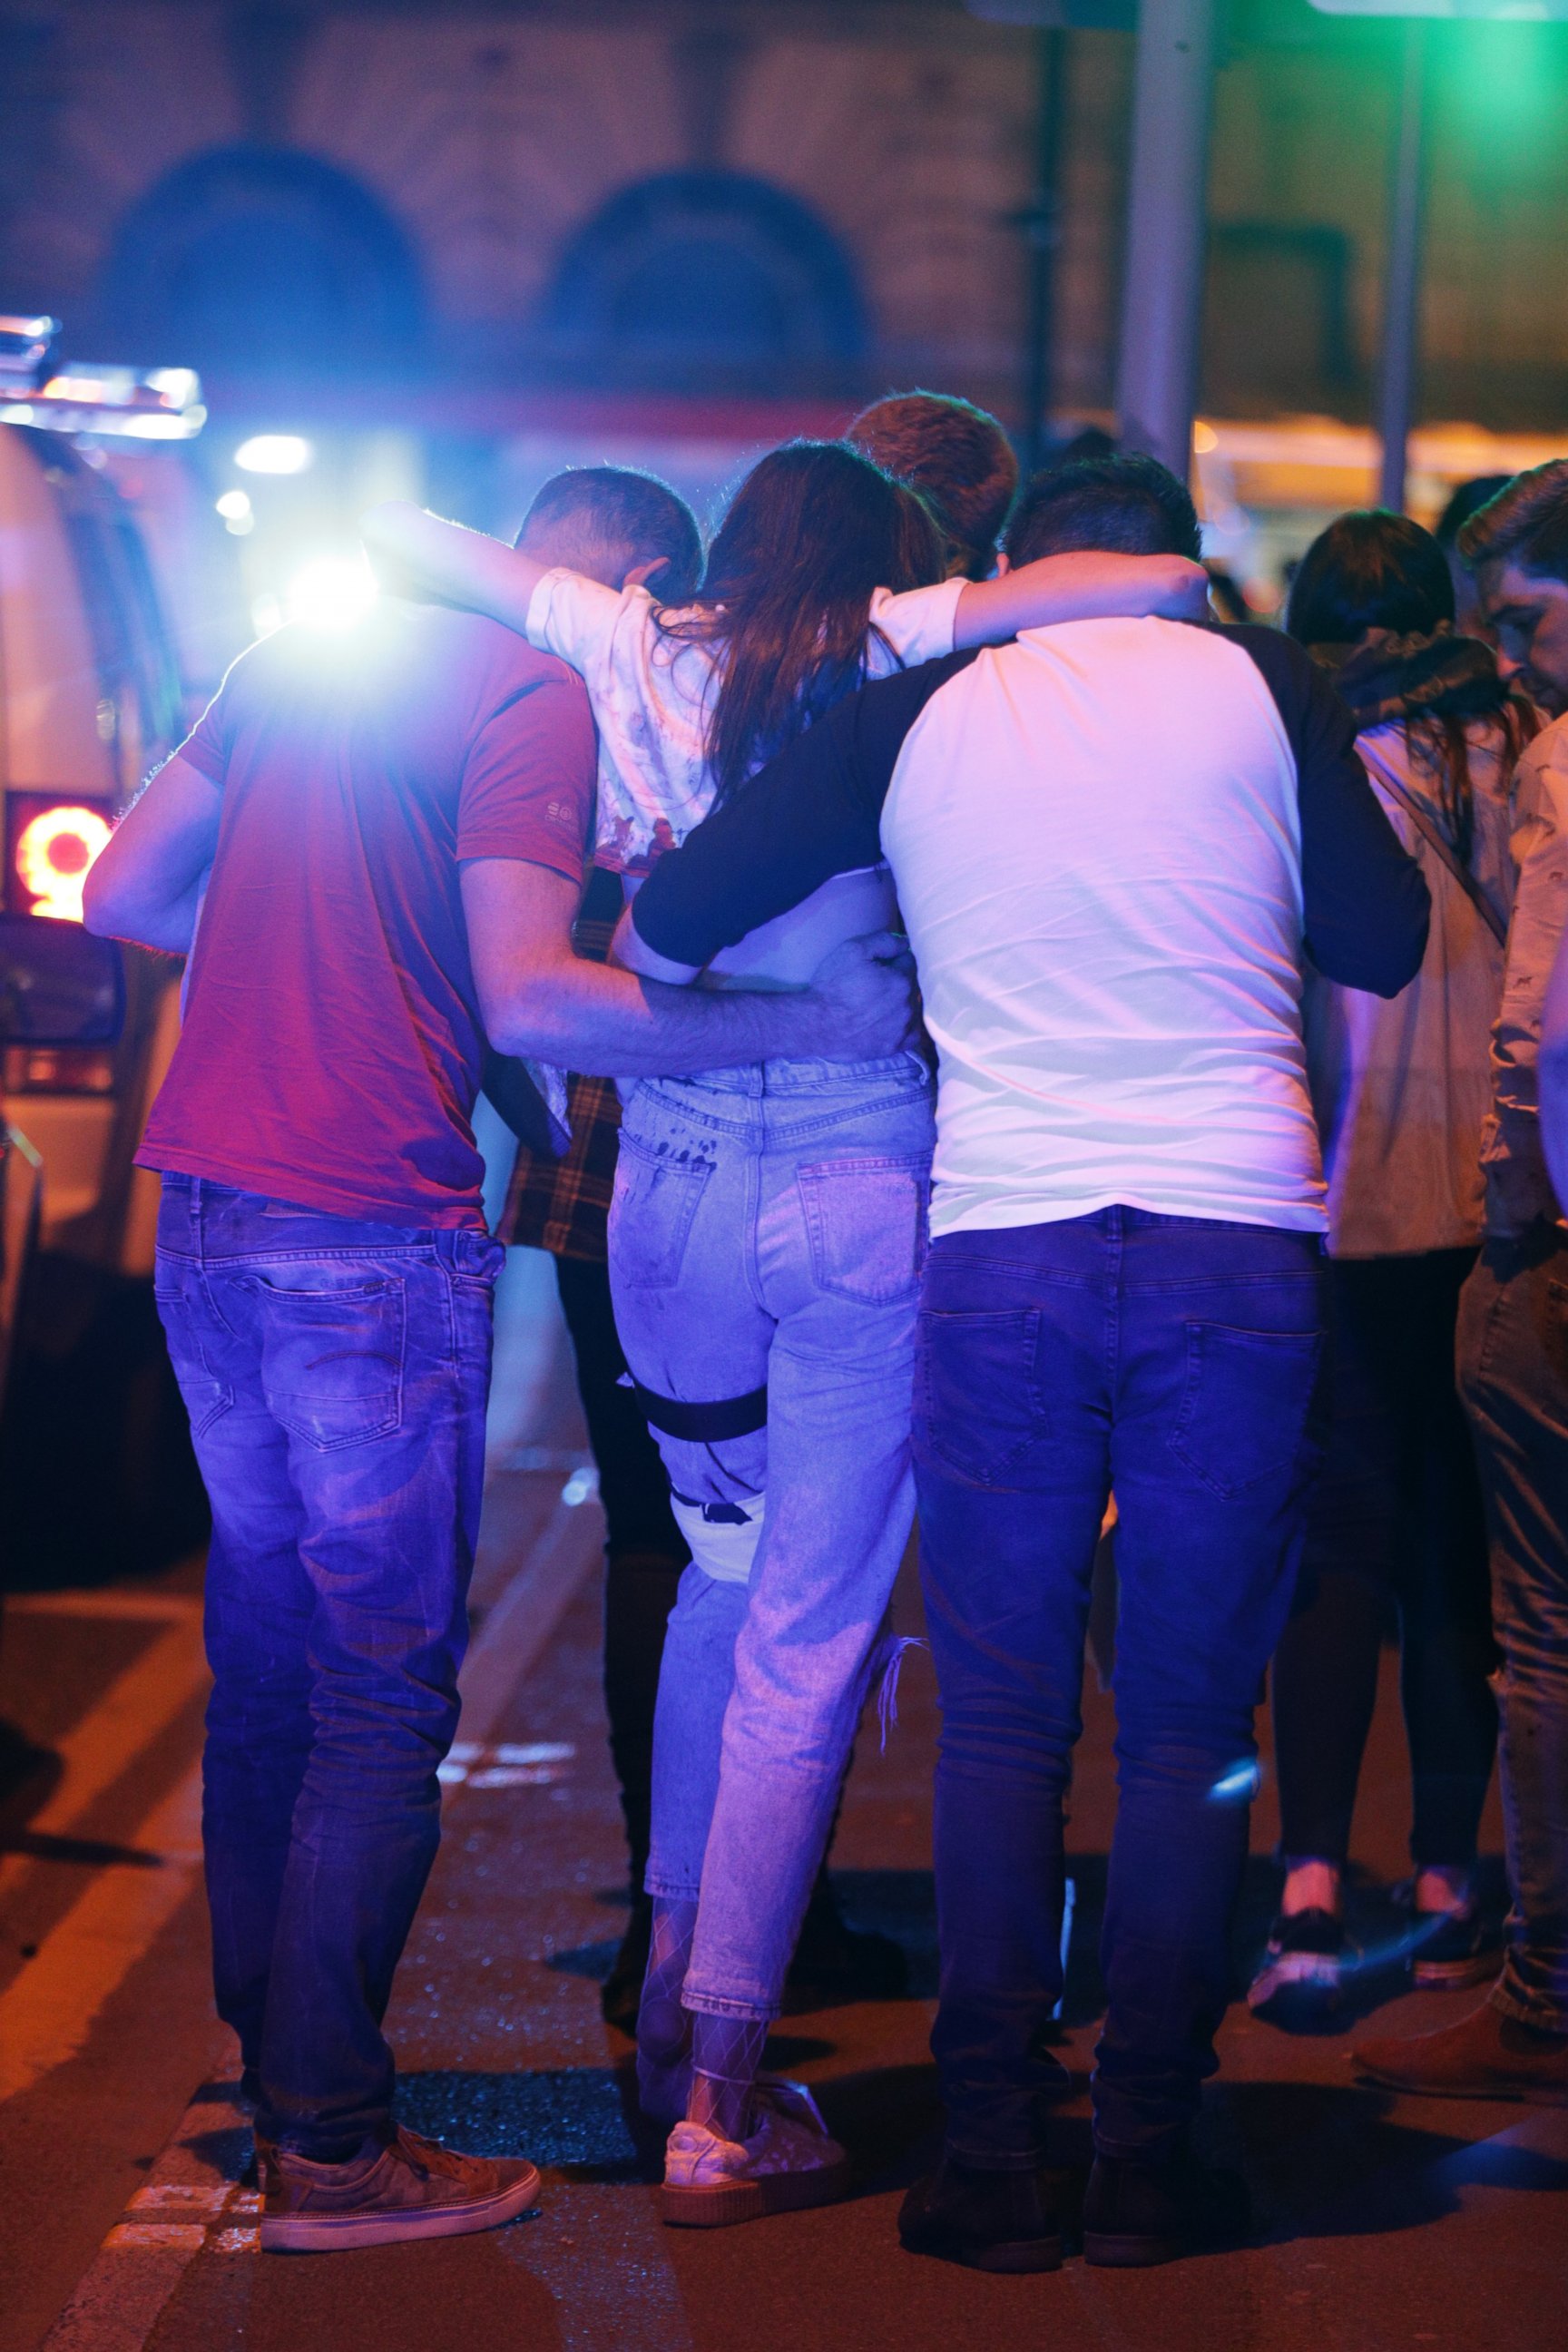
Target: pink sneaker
{"x":412,"y":2188}
{"x":788,"y":2162}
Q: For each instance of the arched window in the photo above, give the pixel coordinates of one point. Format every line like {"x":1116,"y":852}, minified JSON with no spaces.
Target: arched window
{"x":699,"y":277}
{"x":251,"y":258}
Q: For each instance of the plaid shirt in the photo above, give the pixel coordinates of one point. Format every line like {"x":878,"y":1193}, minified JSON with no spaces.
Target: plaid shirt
{"x":563,"y":1205}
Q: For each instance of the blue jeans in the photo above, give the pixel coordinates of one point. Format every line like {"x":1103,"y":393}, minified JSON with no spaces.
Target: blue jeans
{"x":767,"y":1228}
{"x":1176,"y":1361}
{"x":335,"y":1374}
{"x":1513,"y":1375}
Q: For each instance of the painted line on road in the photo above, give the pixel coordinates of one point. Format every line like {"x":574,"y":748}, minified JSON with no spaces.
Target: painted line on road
{"x":154,"y":1608}
{"x":190,"y":2202}
{"x":48,"y":2013}
{"x":136,"y":2271}
{"x":517,"y":1628}
{"x":137,"y":1707}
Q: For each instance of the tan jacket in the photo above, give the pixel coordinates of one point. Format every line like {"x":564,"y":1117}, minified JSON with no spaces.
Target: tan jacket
{"x":1403,"y":1086}
{"x":1518,"y":1188}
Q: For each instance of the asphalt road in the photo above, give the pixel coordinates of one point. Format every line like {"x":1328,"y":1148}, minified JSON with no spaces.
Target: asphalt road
{"x":126,"y":2222}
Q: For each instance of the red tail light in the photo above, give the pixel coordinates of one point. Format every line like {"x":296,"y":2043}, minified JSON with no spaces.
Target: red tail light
{"x":51,"y":842}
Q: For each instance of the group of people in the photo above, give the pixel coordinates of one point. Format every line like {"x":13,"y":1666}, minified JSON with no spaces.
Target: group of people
{"x":1231,"y":948}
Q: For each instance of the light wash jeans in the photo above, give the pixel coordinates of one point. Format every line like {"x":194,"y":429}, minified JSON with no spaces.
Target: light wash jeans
{"x":768,"y":1228}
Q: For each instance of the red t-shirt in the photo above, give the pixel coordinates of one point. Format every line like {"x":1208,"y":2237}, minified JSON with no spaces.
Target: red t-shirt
{"x":331,"y":1044}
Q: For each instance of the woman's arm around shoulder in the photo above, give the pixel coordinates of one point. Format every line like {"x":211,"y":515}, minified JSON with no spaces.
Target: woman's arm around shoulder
{"x":417,"y":554}
{"x":1085,"y":585}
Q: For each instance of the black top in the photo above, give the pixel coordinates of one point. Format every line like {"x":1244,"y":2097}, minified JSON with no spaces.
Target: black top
{"x":816,"y":810}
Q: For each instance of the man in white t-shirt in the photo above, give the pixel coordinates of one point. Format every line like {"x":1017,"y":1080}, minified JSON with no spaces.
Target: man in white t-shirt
{"x":1114,"y":844}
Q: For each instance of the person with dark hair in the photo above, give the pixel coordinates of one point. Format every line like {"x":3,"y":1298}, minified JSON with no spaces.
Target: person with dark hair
{"x":1116,"y":843}
{"x":960,"y":460}
{"x":1401,"y":1090}
{"x":1465,"y":499}
{"x":617,"y":525}
{"x":1132,"y":503}
{"x":396,"y":824}
{"x":620,"y":525}
{"x":764,"y":1242}
{"x":615,"y":522}
{"x":1514,"y":1352}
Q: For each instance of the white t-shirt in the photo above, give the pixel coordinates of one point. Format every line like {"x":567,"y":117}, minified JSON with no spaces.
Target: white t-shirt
{"x":652,"y":693}
{"x":1097,"y":843}
{"x":1115,"y":843}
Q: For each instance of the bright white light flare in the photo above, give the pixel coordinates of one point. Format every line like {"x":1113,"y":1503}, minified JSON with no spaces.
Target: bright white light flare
{"x":274,"y":452}
{"x":332,"y":593}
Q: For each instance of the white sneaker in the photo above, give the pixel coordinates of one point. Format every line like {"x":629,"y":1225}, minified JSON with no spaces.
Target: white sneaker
{"x":788,"y":2162}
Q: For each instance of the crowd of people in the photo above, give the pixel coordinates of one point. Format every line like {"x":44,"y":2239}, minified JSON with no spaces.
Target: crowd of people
{"x":1224,"y":1125}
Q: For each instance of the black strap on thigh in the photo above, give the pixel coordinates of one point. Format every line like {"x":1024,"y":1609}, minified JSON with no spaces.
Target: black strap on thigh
{"x":704,"y":1424}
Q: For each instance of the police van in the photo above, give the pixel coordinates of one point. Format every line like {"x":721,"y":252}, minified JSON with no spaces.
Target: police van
{"x":90,"y":699}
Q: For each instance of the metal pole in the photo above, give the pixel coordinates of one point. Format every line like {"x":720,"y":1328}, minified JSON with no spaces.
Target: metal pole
{"x":1162,"y":301}
{"x":1041,"y":224}
{"x":1402,"y":293}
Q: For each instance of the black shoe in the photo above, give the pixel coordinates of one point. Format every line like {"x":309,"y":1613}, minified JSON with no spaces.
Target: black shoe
{"x":1135,"y":2215}
{"x":622,"y":1988}
{"x":1449,"y":1949}
{"x":1301,"y":1982}
{"x":835,"y":1964}
{"x":987,"y":2221}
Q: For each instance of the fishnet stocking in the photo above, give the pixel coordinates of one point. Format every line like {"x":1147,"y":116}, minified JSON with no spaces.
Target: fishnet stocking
{"x":664,"y":2029}
{"x":726,"y":2054}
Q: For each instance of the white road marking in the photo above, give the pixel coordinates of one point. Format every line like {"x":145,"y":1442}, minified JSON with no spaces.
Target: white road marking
{"x":514,"y":1632}
{"x":139,"y":1705}
{"x":140,"y":2263}
{"x":46,"y":2012}
{"x":155,"y":1608}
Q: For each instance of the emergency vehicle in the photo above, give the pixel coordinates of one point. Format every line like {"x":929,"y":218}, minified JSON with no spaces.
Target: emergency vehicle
{"x":90,"y":699}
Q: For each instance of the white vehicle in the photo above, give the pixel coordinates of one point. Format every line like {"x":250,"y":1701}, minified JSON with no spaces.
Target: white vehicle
{"x":90,"y":699}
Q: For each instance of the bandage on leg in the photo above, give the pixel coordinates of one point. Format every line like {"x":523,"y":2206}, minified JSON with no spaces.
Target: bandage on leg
{"x":723,"y":1537}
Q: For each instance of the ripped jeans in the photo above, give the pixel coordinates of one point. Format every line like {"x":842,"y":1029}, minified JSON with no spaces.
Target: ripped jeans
{"x":766,"y":1234}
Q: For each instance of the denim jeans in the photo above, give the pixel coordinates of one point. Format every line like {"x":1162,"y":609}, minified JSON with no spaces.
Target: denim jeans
{"x":335,"y":1373}
{"x":1514,"y":1376}
{"x":767,"y":1228}
{"x":1177,"y":1361}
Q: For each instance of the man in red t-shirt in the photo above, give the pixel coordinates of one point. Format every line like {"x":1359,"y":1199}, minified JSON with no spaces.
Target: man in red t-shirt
{"x":396,"y":821}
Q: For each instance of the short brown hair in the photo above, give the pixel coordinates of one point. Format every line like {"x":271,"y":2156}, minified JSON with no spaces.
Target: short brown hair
{"x":620,"y":512}
{"x":958,"y":457}
{"x":1526,"y":523}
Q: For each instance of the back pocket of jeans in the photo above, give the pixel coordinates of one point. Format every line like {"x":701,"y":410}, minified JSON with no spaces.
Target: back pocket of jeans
{"x":978,"y":1406}
{"x":866,"y":1220}
{"x":332,"y":1359}
{"x":656,"y":1198}
{"x":1245,"y":1404}
{"x":206,"y":1395}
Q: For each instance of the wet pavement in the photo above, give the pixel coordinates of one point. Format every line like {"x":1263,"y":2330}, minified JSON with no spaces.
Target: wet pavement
{"x":1384,"y":2221}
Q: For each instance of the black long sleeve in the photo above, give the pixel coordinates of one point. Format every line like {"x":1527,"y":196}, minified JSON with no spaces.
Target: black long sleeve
{"x":813,"y":812}
{"x":1365,"y":903}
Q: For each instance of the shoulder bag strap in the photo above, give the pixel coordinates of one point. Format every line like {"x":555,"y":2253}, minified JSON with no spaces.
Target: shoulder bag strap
{"x":1441,"y":846}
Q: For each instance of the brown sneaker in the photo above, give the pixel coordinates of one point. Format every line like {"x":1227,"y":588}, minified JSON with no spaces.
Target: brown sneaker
{"x":1487,"y":2055}
{"x":409,"y":2189}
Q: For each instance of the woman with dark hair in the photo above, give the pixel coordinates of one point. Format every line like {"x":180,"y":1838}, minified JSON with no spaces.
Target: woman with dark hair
{"x":765,"y":1240}
{"x":1401,"y":1090}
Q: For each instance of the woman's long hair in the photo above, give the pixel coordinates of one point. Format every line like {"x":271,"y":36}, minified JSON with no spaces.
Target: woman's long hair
{"x":813,"y":531}
{"x":1379,"y":575}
